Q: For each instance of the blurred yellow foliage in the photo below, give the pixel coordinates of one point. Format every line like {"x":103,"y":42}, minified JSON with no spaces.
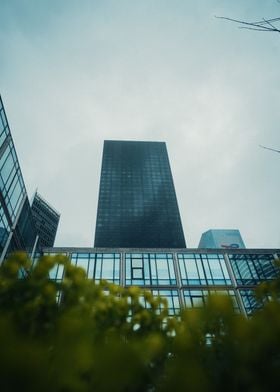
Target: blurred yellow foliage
{"x":75,"y":335}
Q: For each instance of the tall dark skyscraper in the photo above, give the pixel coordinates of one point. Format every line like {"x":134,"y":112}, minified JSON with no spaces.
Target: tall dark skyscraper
{"x":137,"y":204}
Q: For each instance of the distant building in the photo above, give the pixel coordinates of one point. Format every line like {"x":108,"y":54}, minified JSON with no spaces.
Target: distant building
{"x":46,"y":220}
{"x":137,"y":204}
{"x":221,"y":238}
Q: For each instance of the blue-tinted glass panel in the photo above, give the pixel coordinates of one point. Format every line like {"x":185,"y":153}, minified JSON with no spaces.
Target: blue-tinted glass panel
{"x":1,"y":123}
{"x":57,"y":272}
{"x":197,"y":298}
{"x":149,"y":269}
{"x":99,"y":266}
{"x":4,"y":157}
{"x":251,"y":269}
{"x":4,"y":228}
{"x":3,"y":118}
{"x":7,"y":167}
{"x":249,"y":301}
{"x":2,"y":136}
{"x":203,"y":269}
{"x":15,"y":197}
{"x":172,"y":297}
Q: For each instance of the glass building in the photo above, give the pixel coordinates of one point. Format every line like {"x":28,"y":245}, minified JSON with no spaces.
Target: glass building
{"x":222,"y":238}
{"x":46,"y":220}
{"x":185,"y":277}
{"x":17,"y":228}
{"x":137,"y":204}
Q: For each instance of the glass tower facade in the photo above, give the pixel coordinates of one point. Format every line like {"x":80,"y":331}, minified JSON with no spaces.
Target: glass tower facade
{"x":46,"y":220}
{"x":17,"y":230}
{"x":17,"y":226}
{"x":137,"y":204}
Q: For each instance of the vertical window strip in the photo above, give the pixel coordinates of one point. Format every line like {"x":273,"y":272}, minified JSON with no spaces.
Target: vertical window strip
{"x":208,"y":271}
{"x":100,"y":268}
{"x":200,"y":269}
{"x":152,"y":268}
{"x":169,"y":270}
{"x":156,"y":268}
{"x":94,"y":266}
{"x":225,"y":270}
{"x":184,"y":260}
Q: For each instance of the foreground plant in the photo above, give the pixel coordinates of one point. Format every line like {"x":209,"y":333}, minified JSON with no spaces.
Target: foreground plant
{"x":75,"y":335}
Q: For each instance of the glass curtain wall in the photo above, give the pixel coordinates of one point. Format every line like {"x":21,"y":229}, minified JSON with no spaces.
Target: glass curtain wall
{"x":185,"y":279}
{"x":14,"y":233}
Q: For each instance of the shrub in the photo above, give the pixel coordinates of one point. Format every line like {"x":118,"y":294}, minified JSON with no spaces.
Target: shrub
{"x":75,"y":335}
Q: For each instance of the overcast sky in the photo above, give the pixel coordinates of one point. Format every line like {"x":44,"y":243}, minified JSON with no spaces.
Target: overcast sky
{"x":73,"y":73}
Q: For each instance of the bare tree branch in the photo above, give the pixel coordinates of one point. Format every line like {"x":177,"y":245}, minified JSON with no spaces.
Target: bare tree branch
{"x":268,"y":148}
{"x":263,"y":25}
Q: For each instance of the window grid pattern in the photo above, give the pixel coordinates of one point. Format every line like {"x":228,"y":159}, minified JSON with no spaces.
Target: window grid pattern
{"x":149,"y":269}
{"x":137,"y":204}
{"x":155,"y":272}
{"x":46,"y":220}
{"x":4,"y":129}
{"x":251,"y":269}
{"x":11,"y":181}
{"x":99,"y":266}
{"x":198,"y":298}
{"x":249,"y":301}
{"x":4,"y":228}
{"x":57,"y":272}
{"x":172,"y":297}
{"x":203,"y":269}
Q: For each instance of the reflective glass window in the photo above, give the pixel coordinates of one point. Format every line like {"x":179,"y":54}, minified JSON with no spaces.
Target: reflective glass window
{"x":203,"y":269}
{"x":3,"y":118}
{"x":57,"y":272}
{"x":1,"y":123}
{"x":13,"y":204}
{"x":249,"y":301}
{"x":198,"y":298}
{"x":7,"y":167}
{"x":99,"y":266}
{"x":251,"y":269}
{"x":2,"y":136}
{"x":172,"y":297}
{"x":11,"y":178}
{"x":4,"y":228}
{"x":149,"y":269}
{"x":16,"y":193}
{"x":4,"y":157}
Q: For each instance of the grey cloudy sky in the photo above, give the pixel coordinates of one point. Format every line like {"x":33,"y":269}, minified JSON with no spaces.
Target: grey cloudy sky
{"x":73,"y":73}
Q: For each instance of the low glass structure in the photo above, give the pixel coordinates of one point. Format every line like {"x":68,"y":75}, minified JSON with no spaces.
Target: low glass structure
{"x":185,"y":277}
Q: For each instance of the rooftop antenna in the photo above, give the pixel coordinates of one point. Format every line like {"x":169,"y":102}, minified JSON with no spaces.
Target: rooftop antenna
{"x":271,"y":149}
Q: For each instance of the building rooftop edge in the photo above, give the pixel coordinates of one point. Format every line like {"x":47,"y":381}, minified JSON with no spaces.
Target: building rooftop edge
{"x":154,"y":250}
{"x":48,"y":205}
{"x":134,"y":141}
